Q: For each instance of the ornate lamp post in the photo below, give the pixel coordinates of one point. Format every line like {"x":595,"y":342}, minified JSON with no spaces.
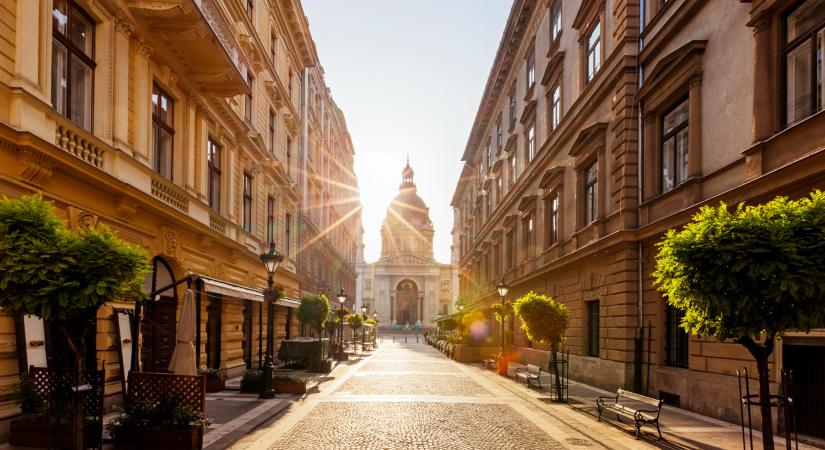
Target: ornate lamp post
{"x":375,"y":332}
{"x":363,"y":328}
{"x":502,"y":289}
{"x":271,"y":259}
{"x":438,"y":324}
{"x":342,"y":298}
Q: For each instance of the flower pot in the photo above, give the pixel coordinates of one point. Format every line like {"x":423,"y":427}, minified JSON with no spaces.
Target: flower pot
{"x":215,"y":384}
{"x":39,"y":433}
{"x":291,"y":388}
{"x":129,"y":438}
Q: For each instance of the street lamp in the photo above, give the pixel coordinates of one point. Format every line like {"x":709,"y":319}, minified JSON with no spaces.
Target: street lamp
{"x":364,"y":327}
{"x":375,"y":331}
{"x":342,"y":298}
{"x":502,"y":289}
{"x":271,"y":259}
{"x":438,"y":324}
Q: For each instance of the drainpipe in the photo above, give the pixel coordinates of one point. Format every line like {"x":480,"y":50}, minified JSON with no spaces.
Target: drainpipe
{"x":638,"y":341}
{"x":303,"y":149}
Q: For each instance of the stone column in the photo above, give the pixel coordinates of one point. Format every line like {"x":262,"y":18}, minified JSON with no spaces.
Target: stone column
{"x":120,"y":88}
{"x":695,"y":128}
{"x":764,"y":95}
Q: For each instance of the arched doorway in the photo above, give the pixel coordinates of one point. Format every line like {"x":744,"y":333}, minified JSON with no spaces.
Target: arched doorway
{"x":406,"y":303}
{"x":157,"y":327}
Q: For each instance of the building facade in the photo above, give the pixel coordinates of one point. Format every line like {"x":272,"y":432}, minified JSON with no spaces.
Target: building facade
{"x":330,"y":214}
{"x":179,"y":125}
{"x":407,"y":287}
{"x":605,"y":123}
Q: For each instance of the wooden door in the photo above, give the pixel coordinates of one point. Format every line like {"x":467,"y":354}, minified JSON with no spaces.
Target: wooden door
{"x":807,"y":366}
{"x":158,"y":329}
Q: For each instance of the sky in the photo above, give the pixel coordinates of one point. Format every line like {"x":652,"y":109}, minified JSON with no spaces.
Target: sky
{"x":409,"y":75}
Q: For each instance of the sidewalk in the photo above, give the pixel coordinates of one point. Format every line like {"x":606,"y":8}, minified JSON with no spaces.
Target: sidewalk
{"x":681,"y":429}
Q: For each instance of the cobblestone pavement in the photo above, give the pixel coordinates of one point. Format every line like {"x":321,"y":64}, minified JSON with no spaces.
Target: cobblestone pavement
{"x":409,"y":396}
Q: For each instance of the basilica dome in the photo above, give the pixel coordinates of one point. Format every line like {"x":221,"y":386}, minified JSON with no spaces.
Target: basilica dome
{"x":407,"y":208}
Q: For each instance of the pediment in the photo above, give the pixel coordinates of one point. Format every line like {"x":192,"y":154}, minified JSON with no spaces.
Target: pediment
{"x":407,"y":259}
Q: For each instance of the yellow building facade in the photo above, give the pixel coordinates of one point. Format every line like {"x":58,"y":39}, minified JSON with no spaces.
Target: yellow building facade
{"x":177,"y":124}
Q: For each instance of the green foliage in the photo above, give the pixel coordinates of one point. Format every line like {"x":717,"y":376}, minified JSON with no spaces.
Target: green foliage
{"x":543,"y":319}
{"x":355,"y":320}
{"x":449,"y":324}
{"x":59,"y":276}
{"x":313,"y":311}
{"x":752,"y":271}
{"x":501,"y":311}
{"x":331,"y":324}
{"x":286,"y":379}
{"x":211,"y":372}
{"x":169,"y":414}
{"x":372,"y":322}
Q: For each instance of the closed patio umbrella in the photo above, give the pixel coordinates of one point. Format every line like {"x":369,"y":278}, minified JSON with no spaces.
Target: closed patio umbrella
{"x":183,"y":357}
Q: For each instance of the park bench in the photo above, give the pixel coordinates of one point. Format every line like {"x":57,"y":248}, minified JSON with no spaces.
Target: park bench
{"x":642,"y":409}
{"x":529,"y":374}
{"x":491,"y":362}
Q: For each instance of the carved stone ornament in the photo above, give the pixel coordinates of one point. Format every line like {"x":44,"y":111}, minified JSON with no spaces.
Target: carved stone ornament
{"x":169,"y":238}
{"x":124,"y":209}
{"x":34,"y":168}
{"x":80,"y":219}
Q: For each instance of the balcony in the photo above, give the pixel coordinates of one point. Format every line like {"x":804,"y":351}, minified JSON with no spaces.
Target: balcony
{"x":201,"y":38}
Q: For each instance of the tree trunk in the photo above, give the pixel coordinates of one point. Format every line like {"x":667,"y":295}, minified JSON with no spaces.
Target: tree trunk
{"x":555,"y":362}
{"x":761,"y":353}
{"x":80,"y":377}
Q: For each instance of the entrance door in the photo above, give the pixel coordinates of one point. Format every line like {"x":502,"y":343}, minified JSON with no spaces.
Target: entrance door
{"x":807,"y":363}
{"x":407,"y":303}
{"x":158,"y":330}
{"x":247,"y":334}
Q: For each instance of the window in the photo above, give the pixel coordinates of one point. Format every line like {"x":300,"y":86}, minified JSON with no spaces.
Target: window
{"x":499,"y":135}
{"x":73,"y":65}
{"x":675,"y":146}
{"x":271,"y":131}
{"x":162,"y":132}
{"x":594,"y":51}
{"x":247,"y":202}
{"x":499,"y":188}
{"x":513,"y":107}
{"x":551,"y":219}
{"x":592,"y":309}
{"x":273,"y":50}
{"x":555,"y":21}
{"x":511,"y":250}
{"x":804,"y":43}
{"x":289,"y":86}
{"x":247,"y":113}
{"x":676,"y":339}
{"x":590,"y":184}
{"x":512,"y":170}
{"x":527,"y":235}
{"x":555,"y":106}
{"x":270,"y":219}
{"x":288,"y":156}
{"x":213,"y":161}
{"x":488,"y":155}
{"x":250,"y":9}
{"x":531,"y":69}
{"x":531,"y":142}
{"x":288,"y":233}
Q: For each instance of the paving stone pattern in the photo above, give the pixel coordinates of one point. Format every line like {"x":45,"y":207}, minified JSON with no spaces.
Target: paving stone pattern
{"x":410,"y":366}
{"x":411,"y":384}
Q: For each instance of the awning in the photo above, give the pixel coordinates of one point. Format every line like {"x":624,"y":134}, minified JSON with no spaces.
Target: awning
{"x":234,"y":290}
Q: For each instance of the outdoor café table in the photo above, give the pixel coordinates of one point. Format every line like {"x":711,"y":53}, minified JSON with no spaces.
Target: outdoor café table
{"x":301,"y":350}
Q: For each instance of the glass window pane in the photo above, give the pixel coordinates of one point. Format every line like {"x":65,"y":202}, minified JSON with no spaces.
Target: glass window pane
{"x":804,"y":18}
{"x":59,"y":77}
{"x":820,"y":57}
{"x":59,"y":16}
{"x":81,"y":32}
{"x":676,"y":117}
{"x":591,"y":174}
{"x":682,"y":155}
{"x":668,"y":180}
{"x":798,"y":83}
{"x":166,"y":154}
{"x":80,"y":79}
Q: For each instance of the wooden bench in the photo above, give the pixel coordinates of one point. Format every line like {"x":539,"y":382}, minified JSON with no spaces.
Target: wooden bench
{"x":491,"y":362}
{"x":640,"y":408}
{"x":529,"y":374}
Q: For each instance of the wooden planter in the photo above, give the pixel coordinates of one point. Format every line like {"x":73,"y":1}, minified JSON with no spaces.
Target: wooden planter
{"x":291,"y":388}
{"x":215,"y":384}
{"x":251,"y":386}
{"x":138,"y":439}
{"x":39,"y":433}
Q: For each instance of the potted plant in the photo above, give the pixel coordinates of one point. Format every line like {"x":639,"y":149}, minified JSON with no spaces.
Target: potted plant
{"x":251,"y":381}
{"x":169,"y":424}
{"x":289,"y":385}
{"x":544,"y":319}
{"x":215,"y":378}
{"x":314,"y":311}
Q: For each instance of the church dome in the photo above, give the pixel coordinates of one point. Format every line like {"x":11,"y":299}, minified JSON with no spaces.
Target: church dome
{"x":407,"y":205}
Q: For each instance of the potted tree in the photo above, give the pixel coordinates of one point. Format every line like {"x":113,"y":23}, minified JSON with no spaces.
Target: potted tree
{"x":313,"y":311}
{"x":251,"y":381}
{"x":355,"y":322}
{"x":63,"y":277}
{"x":749,"y":275}
{"x":544,"y":319}
{"x":285,"y":384}
{"x":215,"y":378}
{"x":169,"y":424}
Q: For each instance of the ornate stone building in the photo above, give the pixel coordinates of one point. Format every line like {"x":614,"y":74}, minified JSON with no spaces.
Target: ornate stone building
{"x":407,"y":286}
{"x":179,"y":124}
{"x":605,"y":123}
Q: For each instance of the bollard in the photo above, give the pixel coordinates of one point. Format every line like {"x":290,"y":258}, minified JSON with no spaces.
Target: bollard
{"x":405,"y":339}
{"x":416,"y":338}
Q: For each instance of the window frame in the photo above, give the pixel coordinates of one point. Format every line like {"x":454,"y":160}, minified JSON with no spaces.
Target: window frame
{"x":288,"y":234}
{"x":272,"y":123}
{"x":270,"y":218}
{"x":530,"y":69}
{"x":593,"y":328}
{"x":590,"y":49}
{"x":512,"y":168}
{"x":247,"y":202}
{"x":248,"y":102}
{"x":786,"y":47}
{"x":530,"y":142}
{"x":73,"y":50}
{"x":552,"y":205}
{"x":665,"y":137}
{"x":510,"y":245}
{"x":527,"y":230}
{"x":555,"y":106}
{"x":163,"y":127}
{"x":591,"y":198}
{"x":512,"y":106}
{"x":214,"y":158}
{"x":555,"y":19}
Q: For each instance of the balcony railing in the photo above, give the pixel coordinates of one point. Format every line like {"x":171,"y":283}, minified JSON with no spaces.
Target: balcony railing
{"x":69,"y":138}
{"x":170,"y":194}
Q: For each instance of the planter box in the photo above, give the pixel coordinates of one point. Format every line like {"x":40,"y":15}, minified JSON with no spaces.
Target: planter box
{"x":38,"y":433}
{"x":250,"y":386}
{"x":215,"y":384}
{"x":292,"y":388}
{"x":468,"y":354}
{"x":135,"y":438}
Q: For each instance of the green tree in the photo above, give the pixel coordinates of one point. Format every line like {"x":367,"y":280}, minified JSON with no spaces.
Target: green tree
{"x":749,"y":275}
{"x":544,"y":319}
{"x":63,"y":277}
{"x":331,"y":327}
{"x":313,"y":311}
{"x":355,"y":321}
